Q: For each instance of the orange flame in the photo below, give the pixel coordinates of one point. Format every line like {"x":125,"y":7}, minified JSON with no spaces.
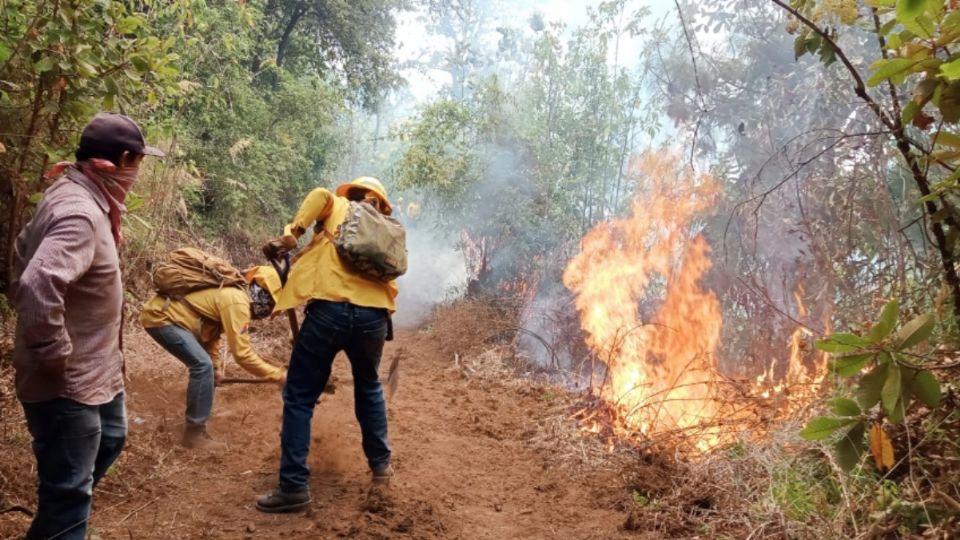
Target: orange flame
{"x":661,"y":362}
{"x":661,"y":370}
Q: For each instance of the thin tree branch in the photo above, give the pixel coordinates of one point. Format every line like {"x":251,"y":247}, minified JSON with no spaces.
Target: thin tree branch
{"x":696,"y":78}
{"x":860,"y":87}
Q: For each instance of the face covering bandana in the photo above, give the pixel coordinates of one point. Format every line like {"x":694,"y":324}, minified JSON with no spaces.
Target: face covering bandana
{"x":114,"y":183}
{"x":261,"y":302}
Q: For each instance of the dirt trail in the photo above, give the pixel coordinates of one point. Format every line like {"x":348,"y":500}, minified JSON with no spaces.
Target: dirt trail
{"x":466,"y":466}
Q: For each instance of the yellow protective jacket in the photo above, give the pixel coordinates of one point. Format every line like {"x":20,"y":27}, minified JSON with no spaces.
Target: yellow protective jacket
{"x":207,"y":314}
{"x":318,"y":273}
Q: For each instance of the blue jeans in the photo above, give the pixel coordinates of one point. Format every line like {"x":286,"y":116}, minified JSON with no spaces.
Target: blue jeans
{"x":185,"y":347}
{"x":329,"y":328}
{"x":74,"y":444}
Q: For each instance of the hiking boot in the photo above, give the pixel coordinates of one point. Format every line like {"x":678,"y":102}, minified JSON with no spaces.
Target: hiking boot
{"x":382,"y":474}
{"x":282,"y":501}
{"x":195,"y":437}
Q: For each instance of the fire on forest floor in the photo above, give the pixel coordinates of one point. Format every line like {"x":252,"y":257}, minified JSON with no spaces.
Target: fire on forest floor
{"x":638,"y":283}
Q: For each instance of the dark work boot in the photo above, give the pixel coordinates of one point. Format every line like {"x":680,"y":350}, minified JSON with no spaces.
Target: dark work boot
{"x":282,"y":501}
{"x":382,"y":474}
{"x":195,"y":437}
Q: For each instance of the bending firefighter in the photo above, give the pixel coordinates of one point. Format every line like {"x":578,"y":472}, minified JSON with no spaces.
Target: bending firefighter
{"x":347,"y":310}
{"x":190,"y":329}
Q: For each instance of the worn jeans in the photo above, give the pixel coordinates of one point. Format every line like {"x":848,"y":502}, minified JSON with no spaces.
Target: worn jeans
{"x":185,"y":347}
{"x":331,"y":327}
{"x":74,"y":444}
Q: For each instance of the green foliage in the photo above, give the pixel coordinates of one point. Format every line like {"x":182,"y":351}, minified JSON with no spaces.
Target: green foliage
{"x":525,"y":165}
{"x":804,"y":490}
{"x":918,"y":66}
{"x":348,"y":43}
{"x":251,"y":108}
{"x":440,"y":155}
{"x":822,"y":427}
{"x":894,"y":378}
{"x":62,"y":62}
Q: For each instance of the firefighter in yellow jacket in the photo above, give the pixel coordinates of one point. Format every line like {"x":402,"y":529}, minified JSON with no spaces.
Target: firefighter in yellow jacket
{"x":190,"y":329}
{"x":345,"y":312}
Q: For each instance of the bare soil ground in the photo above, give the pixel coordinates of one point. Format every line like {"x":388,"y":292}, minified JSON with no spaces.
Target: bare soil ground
{"x":476,"y":457}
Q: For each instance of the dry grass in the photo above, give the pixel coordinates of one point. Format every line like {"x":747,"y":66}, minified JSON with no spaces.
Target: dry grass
{"x":472,"y":326}
{"x":764,"y":482}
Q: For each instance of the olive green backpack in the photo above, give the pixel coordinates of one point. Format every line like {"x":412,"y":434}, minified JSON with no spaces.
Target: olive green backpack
{"x":373,"y":244}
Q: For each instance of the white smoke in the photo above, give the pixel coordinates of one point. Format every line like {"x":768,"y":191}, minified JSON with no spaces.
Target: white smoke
{"x":436,"y":272}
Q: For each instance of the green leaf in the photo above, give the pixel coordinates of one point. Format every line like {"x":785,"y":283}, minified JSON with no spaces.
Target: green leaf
{"x":844,"y":407}
{"x":909,"y":111}
{"x":893,"y":68}
{"x":910,"y":9}
{"x":922,"y":26}
{"x":85,"y":69}
{"x":133,"y":201}
{"x":914,"y":332}
{"x":128,"y":25}
{"x":5,"y":52}
{"x":949,"y":103}
{"x":827,"y":345}
{"x":111,"y":85}
{"x":849,"y":449}
{"x":949,"y":71}
{"x":926,"y":388}
{"x":799,"y":47}
{"x":846,"y":338}
{"x":871,"y":385}
{"x":850,"y":365}
{"x":45,"y":64}
{"x":35,"y":198}
{"x":887,"y":321}
{"x":891,"y":394}
{"x":842,"y":342}
{"x":945,"y":138}
{"x":827,"y":54}
{"x":895,"y":416}
{"x":823,"y":426}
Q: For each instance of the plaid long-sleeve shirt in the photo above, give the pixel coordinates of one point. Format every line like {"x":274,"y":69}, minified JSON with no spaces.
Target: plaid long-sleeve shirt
{"x":68,"y":296}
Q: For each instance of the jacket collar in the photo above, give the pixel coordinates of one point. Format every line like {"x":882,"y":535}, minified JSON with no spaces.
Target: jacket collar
{"x":76,"y":176}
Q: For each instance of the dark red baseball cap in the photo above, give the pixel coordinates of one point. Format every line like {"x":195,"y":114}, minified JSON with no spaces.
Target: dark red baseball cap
{"x":108,"y":132}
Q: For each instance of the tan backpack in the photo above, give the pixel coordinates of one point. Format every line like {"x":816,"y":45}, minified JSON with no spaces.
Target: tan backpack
{"x":373,"y":244}
{"x":190,"y":269}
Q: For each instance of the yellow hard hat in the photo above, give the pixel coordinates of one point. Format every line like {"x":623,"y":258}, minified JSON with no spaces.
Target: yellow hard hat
{"x":267,"y":278}
{"x":370,"y":184}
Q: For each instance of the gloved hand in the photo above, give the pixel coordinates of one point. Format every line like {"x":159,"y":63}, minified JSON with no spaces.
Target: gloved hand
{"x":277,"y":247}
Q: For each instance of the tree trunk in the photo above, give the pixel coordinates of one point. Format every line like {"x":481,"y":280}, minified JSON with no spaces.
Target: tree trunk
{"x":16,"y":204}
{"x":298,"y":13}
